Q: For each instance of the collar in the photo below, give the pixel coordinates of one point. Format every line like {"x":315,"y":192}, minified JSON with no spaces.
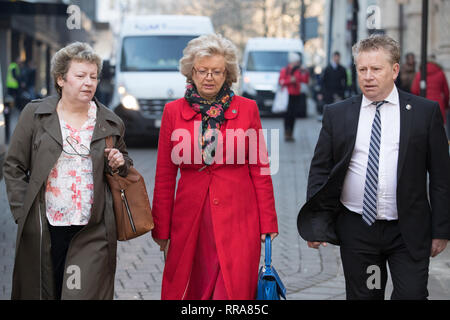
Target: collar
{"x":48,"y":106}
{"x":392,"y":98}
{"x":232,"y":112}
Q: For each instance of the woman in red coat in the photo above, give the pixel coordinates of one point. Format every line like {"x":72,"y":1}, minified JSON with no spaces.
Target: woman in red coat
{"x":292,"y":76}
{"x":437,"y":86}
{"x":224,"y":202}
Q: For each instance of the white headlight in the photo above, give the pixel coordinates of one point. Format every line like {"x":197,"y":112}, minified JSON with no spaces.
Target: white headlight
{"x":2,"y":107}
{"x":121,"y":90}
{"x":130,"y":102}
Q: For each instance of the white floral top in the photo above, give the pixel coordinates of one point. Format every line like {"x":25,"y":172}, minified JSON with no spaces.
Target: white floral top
{"x":69,"y":193}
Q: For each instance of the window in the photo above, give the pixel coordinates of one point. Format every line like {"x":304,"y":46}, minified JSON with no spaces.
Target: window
{"x":152,"y":53}
{"x":272,"y":61}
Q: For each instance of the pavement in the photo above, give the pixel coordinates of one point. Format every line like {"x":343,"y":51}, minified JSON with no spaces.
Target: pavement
{"x":308,"y":274}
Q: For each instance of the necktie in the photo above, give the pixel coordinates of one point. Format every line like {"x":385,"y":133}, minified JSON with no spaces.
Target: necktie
{"x":369,"y":213}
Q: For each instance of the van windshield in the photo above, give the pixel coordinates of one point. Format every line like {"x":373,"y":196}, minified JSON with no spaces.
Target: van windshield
{"x":152,"y":53}
{"x":264,"y":61}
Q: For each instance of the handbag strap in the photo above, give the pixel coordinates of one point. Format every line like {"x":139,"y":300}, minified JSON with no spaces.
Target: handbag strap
{"x":109,"y":142}
{"x":268,"y":255}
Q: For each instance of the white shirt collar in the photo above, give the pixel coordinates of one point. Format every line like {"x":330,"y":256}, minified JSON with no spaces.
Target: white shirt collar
{"x":392,"y":98}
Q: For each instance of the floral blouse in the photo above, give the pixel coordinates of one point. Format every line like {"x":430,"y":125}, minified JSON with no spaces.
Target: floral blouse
{"x":69,"y":193}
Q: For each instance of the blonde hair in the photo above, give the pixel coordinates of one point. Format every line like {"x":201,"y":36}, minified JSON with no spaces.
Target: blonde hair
{"x":206,"y":46}
{"x":76,"y":51}
{"x":375,"y":42}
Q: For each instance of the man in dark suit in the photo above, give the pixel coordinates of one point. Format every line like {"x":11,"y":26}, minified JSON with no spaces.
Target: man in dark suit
{"x":334,"y":80}
{"x":367,"y":186}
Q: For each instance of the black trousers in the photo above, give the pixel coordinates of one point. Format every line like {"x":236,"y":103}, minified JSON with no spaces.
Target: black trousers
{"x":60,"y":240}
{"x":365,"y":253}
{"x":289,"y":118}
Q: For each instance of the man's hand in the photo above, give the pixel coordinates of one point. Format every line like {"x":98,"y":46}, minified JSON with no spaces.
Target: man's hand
{"x":437,"y":246}
{"x":316,"y":244}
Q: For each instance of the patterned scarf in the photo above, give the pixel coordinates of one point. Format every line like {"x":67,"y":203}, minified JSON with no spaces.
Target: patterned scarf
{"x":212,"y":117}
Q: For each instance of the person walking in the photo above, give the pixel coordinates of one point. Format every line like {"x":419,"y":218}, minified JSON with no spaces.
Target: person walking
{"x":437,"y":86}
{"x":12,"y":80}
{"x":367,"y":185}
{"x":334,"y":80}
{"x":224,"y":204}
{"x":54,"y":175}
{"x":407,"y":73}
{"x":292,"y":76}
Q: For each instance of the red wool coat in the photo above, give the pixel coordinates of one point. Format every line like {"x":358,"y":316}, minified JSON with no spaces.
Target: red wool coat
{"x":242,"y":200}
{"x":437,"y":87}
{"x":293,"y":86}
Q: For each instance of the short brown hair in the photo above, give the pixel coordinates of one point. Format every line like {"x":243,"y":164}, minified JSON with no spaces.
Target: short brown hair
{"x":375,"y":42}
{"x":77,"y":51}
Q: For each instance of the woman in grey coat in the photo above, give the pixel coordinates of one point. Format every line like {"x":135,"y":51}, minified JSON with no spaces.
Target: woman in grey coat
{"x":54,"y":174}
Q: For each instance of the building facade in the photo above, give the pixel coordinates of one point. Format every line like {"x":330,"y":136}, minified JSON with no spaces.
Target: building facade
{"x":400,"y":19}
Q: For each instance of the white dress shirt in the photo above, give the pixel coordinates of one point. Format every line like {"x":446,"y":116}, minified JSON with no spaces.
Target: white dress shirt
{"x":353,"y":189}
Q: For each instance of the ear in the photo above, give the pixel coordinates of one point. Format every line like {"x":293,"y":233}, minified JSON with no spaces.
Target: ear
{"x":396,"y":70}
{"x":60,"y":81}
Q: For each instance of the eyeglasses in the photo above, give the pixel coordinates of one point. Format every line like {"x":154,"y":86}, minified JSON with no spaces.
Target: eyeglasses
{"x":204,"y":73}
{"x":78,"y":148}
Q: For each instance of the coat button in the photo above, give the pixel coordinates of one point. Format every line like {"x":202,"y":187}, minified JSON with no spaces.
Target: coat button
{"x":216,"y":201}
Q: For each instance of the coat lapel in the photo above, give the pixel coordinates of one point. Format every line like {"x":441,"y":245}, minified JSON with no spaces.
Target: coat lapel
{"x":405,"y":129}
{"x":50,"y":121}
{"x":351,"y":124}
{"x":103,"y":127}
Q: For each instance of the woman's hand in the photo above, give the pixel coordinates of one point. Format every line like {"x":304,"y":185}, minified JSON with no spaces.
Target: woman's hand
{"x":115,"y":158}
{"x":162,"y":243}
{"x":273,"y":235}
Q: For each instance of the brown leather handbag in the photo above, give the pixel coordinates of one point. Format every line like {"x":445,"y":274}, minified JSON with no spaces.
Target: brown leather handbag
{"x":130,"y":201}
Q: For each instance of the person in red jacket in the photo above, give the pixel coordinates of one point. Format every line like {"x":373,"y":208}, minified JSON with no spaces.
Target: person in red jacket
{"x":437,"y":86}
{"x":224,"y":205}
{"x":291,"y":77}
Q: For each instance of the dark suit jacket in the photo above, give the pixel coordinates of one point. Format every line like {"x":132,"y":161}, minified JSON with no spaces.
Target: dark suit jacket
{"x":423,"y":149}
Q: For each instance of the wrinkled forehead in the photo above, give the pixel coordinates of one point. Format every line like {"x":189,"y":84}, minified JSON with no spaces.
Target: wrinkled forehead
{"x":77,"y":65}
{"x":373,"y":56}
{"x":210,"y":61}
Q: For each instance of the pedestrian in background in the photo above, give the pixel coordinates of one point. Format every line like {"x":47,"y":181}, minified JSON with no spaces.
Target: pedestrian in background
{"x":13,"y":80}
{"x":334,"y":80}
{"x":367,"y":185}
{"x":407,"y":73}
{"x":437,"y":86}
{"x":292,"y":76}
{"x":223,"y":208}
{"x":26,"y":84}
{"x":66,"y":241}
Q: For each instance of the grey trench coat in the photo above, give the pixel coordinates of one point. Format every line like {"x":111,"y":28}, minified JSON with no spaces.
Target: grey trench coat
{"x":91,"y":258}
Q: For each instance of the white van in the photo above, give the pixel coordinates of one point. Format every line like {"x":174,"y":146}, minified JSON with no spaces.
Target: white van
{"x":262,"y":61}
{"x":147,"y":75}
